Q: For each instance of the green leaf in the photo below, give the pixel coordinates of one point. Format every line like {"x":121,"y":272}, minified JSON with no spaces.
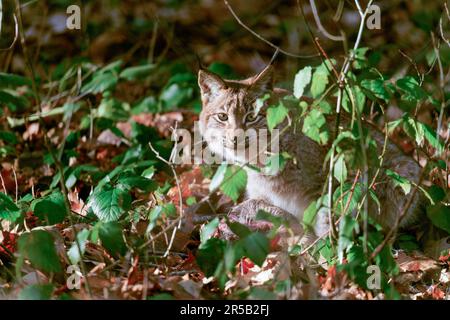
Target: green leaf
{"x":440,"y":216}
{"x":315,"y":126}
{"x":13,"y":101}
{"x":218,"y":177}
{"x":320,"y":79}
{"x":111,"y":108}
{"x":138,"y":72}
{"x":376,"y":87}
{"x":266,"y":216}
{"x":100,"y":83}
{"x":112,"y":239}
{"x":210,"y":255}
{"x":431,"y":136}
{"x":175,"y":95}
{"x":413,"y":129}
{"x":73,"y":175}
{"x":360,"y":60}
{"x":340,"y":169}
{"x":108,"y":204}
{"x":8,"y":209}
{"x":50,"y":209}
{"x":208,"y":230}
{"x":234,"y":182}
{"x":149,"y":172}
{"x":148,"y":104}
{"x":161,"y":296}
{"x":239,"y":229}
{"x":302,"y":79}
{"x":400,"y":181}
{"x":73,"y":253}
{"x":8,"y":137}
{"x":160,"y":212}
{"x":348,"y":197}
{"x":223,"y":70}
{"x":276,"y":115}
{"x":385,"y":260}
{"x":38,"y":246}
{"x":257,"y":293}
{"x":436,"y":193}
{"x":36,"y":292}
{"x":130,"y":180}
{"x":256,"y":247}
{"x":358,"y":97}
{"x":309,"y":215}
{"x":13,"y":80}
{"x":346,"y":227}
{"x":411,"y":89}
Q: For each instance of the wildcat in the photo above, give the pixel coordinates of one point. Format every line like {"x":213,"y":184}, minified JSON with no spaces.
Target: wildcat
{"x":230,"y":105}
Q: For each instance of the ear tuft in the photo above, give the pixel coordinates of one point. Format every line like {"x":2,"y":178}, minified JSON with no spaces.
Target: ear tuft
{"x":210,"y":85}
{"x":263,"y":81}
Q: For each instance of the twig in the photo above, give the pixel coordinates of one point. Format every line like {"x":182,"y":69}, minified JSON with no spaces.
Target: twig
{"x":441,"y":91}
{"x":320,"y":26}
{"x":421,"y":76}
{"x":3,"y":183}
{"x":16,"y":30}
{"x":180,"y":197}
{"x":153,"y":238}
{"x":322,"y":53}
{"x":290,"y":54}
{"x":352,"y":191}
{"x":17,"y":185}
{"x":342,"y":83}
{"x":442,"y":33}
{"x":325,"y":55}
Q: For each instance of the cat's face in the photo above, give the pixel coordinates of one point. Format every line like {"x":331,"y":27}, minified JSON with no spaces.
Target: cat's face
{"x":231,"y":119}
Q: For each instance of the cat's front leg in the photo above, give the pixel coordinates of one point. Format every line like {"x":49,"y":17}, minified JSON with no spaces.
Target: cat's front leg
{"x":246,"y":212}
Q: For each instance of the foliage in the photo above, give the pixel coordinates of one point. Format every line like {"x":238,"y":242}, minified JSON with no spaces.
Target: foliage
{"x":86,"y":181}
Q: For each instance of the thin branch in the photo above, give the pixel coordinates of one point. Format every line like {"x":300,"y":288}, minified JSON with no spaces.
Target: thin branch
{"x":442,"y":33}
{"x":180,"y":197}
{"x":341,"y":83}
{"x":3,"y":183}
{"x":290,"y":54}
{"x":441,"y":90}
{"x":17,"y":185}
{"x":16,"y":30}
{"x":325,"y":55}
{"x":320,"y":26}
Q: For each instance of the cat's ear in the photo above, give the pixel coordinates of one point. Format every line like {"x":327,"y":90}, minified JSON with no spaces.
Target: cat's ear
{"x":210,"y":85}
{"x":263,"y":81}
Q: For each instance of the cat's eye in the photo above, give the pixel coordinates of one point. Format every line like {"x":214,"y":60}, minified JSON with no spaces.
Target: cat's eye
{"x":222,"y":116}
{"x":251,"y":117}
